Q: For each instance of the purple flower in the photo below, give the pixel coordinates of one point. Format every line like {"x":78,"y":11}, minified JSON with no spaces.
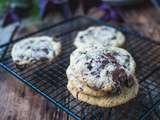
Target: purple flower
{"x":11,"y":17}
{"x":48,"y":6}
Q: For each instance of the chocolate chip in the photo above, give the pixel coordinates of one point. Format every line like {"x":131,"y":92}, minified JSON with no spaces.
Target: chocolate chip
{"x":17,"y":61}
{"x":110,"y":57}
{"x":113,"y":38}
{"x":93,"y":73}
{"x":97,"y":76}
{"x":77,"y":61}
{"x":44,"y":59}
{"x":130,"y":81}
{"x":115,"y":91}
{"x":127,"y":59}
{"x":89,"y":66}
{"x":104,"y":63}
{"x":27,"y":58}
{"x":119,"y":74}
{"x":115,"y":54}
{"x":21,"y":67}
{"x":85,"y":74}
{"x":28,"y":47}
{"x":81,"y":37}
{"x":81,"y":88}
{"x":21,"y":56}
{"x":83,"y":52}
{"x":45,"y":50}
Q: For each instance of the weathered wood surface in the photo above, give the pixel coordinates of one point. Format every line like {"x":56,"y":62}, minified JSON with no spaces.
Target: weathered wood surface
{"x":18,"y":102}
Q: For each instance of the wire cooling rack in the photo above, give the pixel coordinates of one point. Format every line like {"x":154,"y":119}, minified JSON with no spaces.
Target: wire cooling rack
{"x":50,"y":79}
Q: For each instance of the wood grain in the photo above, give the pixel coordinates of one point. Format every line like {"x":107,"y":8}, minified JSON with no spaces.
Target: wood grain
{"x":18,"y":102}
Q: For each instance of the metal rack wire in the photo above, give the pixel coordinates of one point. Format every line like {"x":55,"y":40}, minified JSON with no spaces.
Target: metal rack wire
{"x":50,"y":79}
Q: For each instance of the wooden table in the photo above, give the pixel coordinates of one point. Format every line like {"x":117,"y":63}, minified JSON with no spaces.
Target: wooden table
{"x":18,"y":102}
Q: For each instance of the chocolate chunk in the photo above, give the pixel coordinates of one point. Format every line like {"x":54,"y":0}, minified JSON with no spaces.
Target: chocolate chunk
{"x":115,"y":54}
{"x":119,"y":74}
{"x":77,"y":61}
{"x":45,"y":50}
{"x":17,"y":61}
{"x":21,"y":67}
{"x":81,"y":88}
{"x":110,"y":57}
{"x":21,"y":56}
{"x":28,"y":47}
{"x":85,"y":74}
{"x":113,"y":38}
{"x":119,"y":77}
{"x":44,"y":59}
{"x":93,"y":73}
{"x":130,"y":81}
{"x":97,"y":76}
{"x":107,"y":73}
{"x":90,"y":65}
{"x":81,"y":37}
{"x":104,"y":63}
{"x":127,"y":59}
{"x":115,"y":91}
{"x":83,"y":52}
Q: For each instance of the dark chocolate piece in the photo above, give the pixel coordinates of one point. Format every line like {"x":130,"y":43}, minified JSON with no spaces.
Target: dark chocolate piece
{"x":115,"y":91}
{"x":119,"y":75}
{"x":44,"y":59}
{"x":110,"y":57}
{"x":130,"y":81}
{"x":113,"y":38}
{"x":81,"y":37}
{"x":81,"y":88}
{"x":90,"y":65}
{"x":45,"y":50}
{"x":21,"y":67}
{"x":21,"y":57}
{"x":28,"y":47}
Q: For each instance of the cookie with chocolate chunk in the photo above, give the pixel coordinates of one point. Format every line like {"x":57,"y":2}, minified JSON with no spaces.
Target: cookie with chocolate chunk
{"x":106,"y":69}
{"x":33,"y":49}
{"x":81,"y":86}
{"x":99,"y":36}
{"x":108,"y":100}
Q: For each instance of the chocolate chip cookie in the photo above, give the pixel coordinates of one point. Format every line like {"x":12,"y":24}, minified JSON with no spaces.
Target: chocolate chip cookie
{"x":99,"y":36}
{"x":105,"y":69}
{"x":33,"y":49}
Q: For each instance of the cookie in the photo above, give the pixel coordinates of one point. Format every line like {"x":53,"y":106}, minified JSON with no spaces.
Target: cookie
{"x":35,"y":49}
{"x":106,"y":69}
{"x":83,"y":87}
{"x":99,"y":36}
{"x":106,"y":101}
